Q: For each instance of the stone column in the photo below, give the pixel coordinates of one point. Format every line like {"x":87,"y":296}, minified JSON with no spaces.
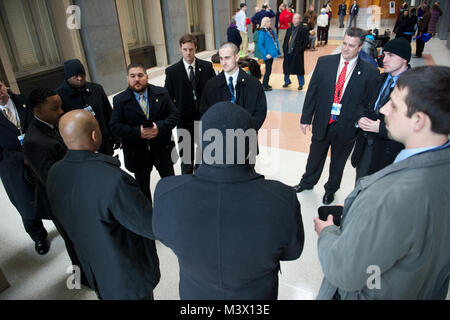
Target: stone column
{"x":103,"y":46}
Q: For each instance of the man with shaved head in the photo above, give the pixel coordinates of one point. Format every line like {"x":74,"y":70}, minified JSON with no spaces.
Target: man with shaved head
{"x":104,"y":212}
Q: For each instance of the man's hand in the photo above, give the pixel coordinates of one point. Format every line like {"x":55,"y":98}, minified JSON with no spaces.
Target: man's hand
{"x":369,"y":125}
{"x":153,"y":131}
{"x":149,"y":133}
{"x":319,"y":225}
{"x":303,"y":127}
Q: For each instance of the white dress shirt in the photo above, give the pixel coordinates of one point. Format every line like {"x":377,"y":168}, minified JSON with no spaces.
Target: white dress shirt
{"x":240,"y":21}
{"x":186,"y":66}
{"x":235,"y":79}
{"x":350,"y":67}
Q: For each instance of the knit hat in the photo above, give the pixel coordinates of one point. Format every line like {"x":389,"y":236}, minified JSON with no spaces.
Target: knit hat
{"x":221,"y":117}
{"x":400,"y":47}
{"x":72,"y":68}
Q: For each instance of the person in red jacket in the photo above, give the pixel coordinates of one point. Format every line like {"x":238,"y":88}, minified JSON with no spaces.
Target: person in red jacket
{"x":284,"y":22}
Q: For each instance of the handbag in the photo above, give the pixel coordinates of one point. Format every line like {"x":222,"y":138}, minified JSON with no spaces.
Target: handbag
{"x":425,"y":37}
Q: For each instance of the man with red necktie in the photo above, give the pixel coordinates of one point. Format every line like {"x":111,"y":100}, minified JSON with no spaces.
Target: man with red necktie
{"x":337,"y":94}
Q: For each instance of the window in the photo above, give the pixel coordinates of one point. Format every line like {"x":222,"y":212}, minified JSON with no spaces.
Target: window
{"x":133,"y":24}
{"x":194,"y":16}
{"x":28,"y":31}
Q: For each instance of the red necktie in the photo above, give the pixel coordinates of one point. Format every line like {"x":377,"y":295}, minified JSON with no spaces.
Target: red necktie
{"x":338,"y":89}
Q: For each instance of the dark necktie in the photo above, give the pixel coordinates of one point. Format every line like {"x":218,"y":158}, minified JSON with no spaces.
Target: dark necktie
{"x":384,"y":96}
{"x":231,"y":88}
{"x":191,"y":74}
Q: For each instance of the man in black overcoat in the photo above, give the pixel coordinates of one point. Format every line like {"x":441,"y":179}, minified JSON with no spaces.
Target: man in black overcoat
{"x":144,"y":116}
{"x":339,"y":90}
{"x":185,"y":81}
{"x":42,"y":148}
{"x":228,"y":226}
{"x":104,"y":212}
{"x":77,"y":93}
{"x":235,"y":85}
{"x":14,"y":123}
{"x":294,"y":46}
{"x":374,"y":150}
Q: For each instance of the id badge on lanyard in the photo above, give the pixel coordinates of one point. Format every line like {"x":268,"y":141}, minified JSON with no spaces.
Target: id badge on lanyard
{"x":336,"y":110}
{"x":89,"y":108}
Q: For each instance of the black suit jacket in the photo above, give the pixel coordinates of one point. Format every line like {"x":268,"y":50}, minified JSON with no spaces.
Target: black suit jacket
{"x":109,"y":221}
{"x":12,"y":167}
{"x":249,"y":95}
{"x":181,"y":90}
{"x":127,"y":118}
{"x":229,"y":228}
{"x":384,"y":149}
{"x":320,"y":94}
{"x":91,"y":95}
{"x":42,"y":148}
{"x":353,"y":12}
{"x":342,"y":9}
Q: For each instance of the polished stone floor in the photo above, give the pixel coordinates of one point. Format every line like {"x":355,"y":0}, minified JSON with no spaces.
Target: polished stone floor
{"x":44,"y":277}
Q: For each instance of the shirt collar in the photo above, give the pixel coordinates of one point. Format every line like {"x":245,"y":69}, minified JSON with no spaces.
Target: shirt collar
{"x":234,"y":75}
{"x":138,"y":95}
{"x":186,"y":65}
{"x":46,"y":123}
{"x":351,"y":63}
{"x":8,"y":104}
{"x":406,"y":153}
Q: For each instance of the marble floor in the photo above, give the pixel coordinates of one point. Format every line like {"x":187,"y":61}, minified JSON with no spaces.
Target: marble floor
{"x":44,"y":277}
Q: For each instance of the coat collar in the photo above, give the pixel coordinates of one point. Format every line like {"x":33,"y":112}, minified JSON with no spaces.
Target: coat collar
{"x":227,"y":174}
{"x":71,"y":91}
{"x":152,"y":90}
{"x":85,"y":155}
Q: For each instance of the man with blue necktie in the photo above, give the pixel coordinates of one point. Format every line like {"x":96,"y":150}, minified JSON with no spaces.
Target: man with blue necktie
{"x":235,"y":85}
{"x":374,"y":150}
{"x":144,"y":116}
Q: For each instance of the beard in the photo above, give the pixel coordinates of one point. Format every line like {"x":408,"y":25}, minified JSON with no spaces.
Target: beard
{"x":142,"y":89}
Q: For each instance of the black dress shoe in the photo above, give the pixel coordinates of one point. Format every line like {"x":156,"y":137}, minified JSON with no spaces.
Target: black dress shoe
{"x":270,"y":87}
{"x":300,"y":88}
{"x":42,"y":246}
{"x":267,"y":89}
{"x":299,"y":188}
{"x":328,"y":198}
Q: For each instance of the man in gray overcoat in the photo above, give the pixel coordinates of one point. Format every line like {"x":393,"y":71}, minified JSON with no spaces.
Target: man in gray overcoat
{"x":395,"y":231}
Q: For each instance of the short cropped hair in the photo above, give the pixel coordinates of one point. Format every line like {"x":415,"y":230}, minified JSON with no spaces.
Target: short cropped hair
{"x":39,"y":96}
{"x":135,"y":65}
{"x":356,"y":33}
{"x":230,"y":45}
{"x":428,"y":92}
{"x":242,"y":5}
{"x":188,"y":38}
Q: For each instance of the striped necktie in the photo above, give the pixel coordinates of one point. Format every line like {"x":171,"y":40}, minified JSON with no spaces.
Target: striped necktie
{"x":11,"y":117}
{"x":144,"y":106}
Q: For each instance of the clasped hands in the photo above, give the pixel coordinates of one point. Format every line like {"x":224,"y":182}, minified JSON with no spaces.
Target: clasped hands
{"x":149,"y":133}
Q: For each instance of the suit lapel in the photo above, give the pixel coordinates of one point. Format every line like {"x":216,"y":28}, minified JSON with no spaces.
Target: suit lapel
{"x":134,"y":105}
{"x":21,"y":110}
{"x":183,"y":73}
{"x":154,"y":101}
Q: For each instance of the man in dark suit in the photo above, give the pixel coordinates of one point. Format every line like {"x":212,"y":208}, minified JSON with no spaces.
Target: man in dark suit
{"x":77,"y":93}
{"x":374,"y":150}
{"x":339,"y":89}
{"x":228,"y":226}
{"x":15,"y":118}
{"x":144,"y":116}
{"x":353,"y":14}
{"x":42,"y":148}
{"x":185,"y":81}
{"x":342,"y":12}
{"x":235,"y":85}
{"x":104,"y":212}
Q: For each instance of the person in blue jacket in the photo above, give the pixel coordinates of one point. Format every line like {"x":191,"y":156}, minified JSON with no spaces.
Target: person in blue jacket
{"x":270,"y":49}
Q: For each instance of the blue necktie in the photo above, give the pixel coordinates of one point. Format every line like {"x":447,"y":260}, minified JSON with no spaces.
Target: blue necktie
{"x":231,"y":88}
